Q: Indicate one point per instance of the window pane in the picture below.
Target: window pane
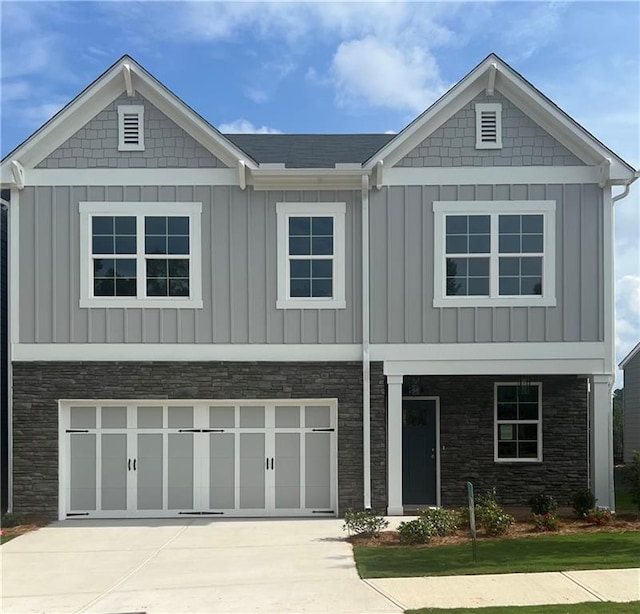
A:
(178, 287)
(300, 268)
(527, 394)
(322, 226)
(457, 244)
(322, 268)
(506, 432)
(532, 244)
(322, 246)
(178, 245)
(178, 225)
(531, 266)
(532, 224)
(507, 394)
(125, 268)
(479, 224)
(509, 244)
(528, 432)
(509, 286)
(507, 450)
(507, 411)
(478, 267)
(458, 266)
(456, 224)
(155, 245)
(156, 268)
(531, 286)
(104, 287)
(321, 288)
(457, 286)
(509, 266)
(155, 225)
(103, 245)
(509, 224)
(156, 287)
(478, 286)
(528, 449)
(178, 268)
(479, 244)
(300, 287)
(125, 245)
(125, 225)
(299, 226)
(528, 411)
(102, 225)
(103, 267)
(125, 287)
(300, 246)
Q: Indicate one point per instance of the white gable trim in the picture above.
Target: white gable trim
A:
(101, 93)
(630, 356)
(575, 138)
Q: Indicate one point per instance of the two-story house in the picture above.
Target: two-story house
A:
(298, 324)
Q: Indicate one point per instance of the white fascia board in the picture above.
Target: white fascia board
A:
(197, 352)
(490, 175)
(629, 357)
(482, 352)
(133, 176)
(282, 172)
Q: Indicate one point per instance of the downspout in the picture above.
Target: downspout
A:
(366, 383)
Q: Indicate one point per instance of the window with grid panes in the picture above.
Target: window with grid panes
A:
(518, 422)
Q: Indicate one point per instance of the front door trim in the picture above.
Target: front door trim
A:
(437, 403)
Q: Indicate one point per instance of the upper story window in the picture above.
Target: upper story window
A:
(518, 422)
(140, 255)
(131, 127)
(489, 125)
(494, 253)
(311, 255)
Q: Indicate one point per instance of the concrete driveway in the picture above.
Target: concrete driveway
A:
(195, 565)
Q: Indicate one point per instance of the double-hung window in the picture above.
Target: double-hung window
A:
(518, 422)
(311, 261)
(494, 253)
(140, 255)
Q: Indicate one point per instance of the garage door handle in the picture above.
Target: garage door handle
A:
(272, 462)
(134, 464)
(129, 465)
(267, 459)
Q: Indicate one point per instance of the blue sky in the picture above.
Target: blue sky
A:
(339, 67)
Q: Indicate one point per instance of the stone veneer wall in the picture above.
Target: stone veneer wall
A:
(37, 386)
(467, 436)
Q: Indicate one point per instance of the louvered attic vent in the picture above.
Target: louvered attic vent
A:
(489, 126)
(131, 128)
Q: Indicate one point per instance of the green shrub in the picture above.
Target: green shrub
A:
(416, 531)
(444, 522)
(598, 517)
(542, 504)
(490, 515)
(364, 523)
(12, 519)
(583, 501)
(546, 522)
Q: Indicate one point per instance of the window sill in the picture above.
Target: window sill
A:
(481, 301)
(133, 303)
(519, 461)
(310, 304)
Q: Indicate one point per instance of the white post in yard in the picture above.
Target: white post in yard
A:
(602, 442)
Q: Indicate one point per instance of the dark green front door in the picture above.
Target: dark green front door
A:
(419, 452)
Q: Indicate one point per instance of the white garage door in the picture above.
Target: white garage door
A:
(188, 458)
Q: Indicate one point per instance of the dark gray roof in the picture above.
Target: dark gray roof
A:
(310, 150)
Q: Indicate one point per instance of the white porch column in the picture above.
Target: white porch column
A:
(602, 441)
(394, 445)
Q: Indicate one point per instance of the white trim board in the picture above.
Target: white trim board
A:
(163, 352)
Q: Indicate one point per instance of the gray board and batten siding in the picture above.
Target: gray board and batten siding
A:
(239, 273)
(95, 145)
(402, 270)
(524, 143)
(631, 407)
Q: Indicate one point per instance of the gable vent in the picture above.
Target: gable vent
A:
(489, 126)
(131, 128)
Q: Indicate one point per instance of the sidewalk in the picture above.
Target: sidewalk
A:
(510, 589)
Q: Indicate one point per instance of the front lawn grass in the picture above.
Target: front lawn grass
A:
(590, 607)
(554, 553)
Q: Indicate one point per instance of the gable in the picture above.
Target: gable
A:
(524, 142)
(166, 145)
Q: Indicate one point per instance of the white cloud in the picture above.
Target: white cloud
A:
(37, 114)
(243, 126)
(372, 72)
(535, 29)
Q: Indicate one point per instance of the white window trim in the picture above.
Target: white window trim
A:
(191, 209)
(336, 210)
(138, 109)
(546, 208)
(538, 459)
(494, 107)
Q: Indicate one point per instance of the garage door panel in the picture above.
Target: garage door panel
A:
(317, 470)
(252, 470)
(287, 470)
(149, 472)
(114, 471)
(180, 470)
(83, 471)
(222, 453)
